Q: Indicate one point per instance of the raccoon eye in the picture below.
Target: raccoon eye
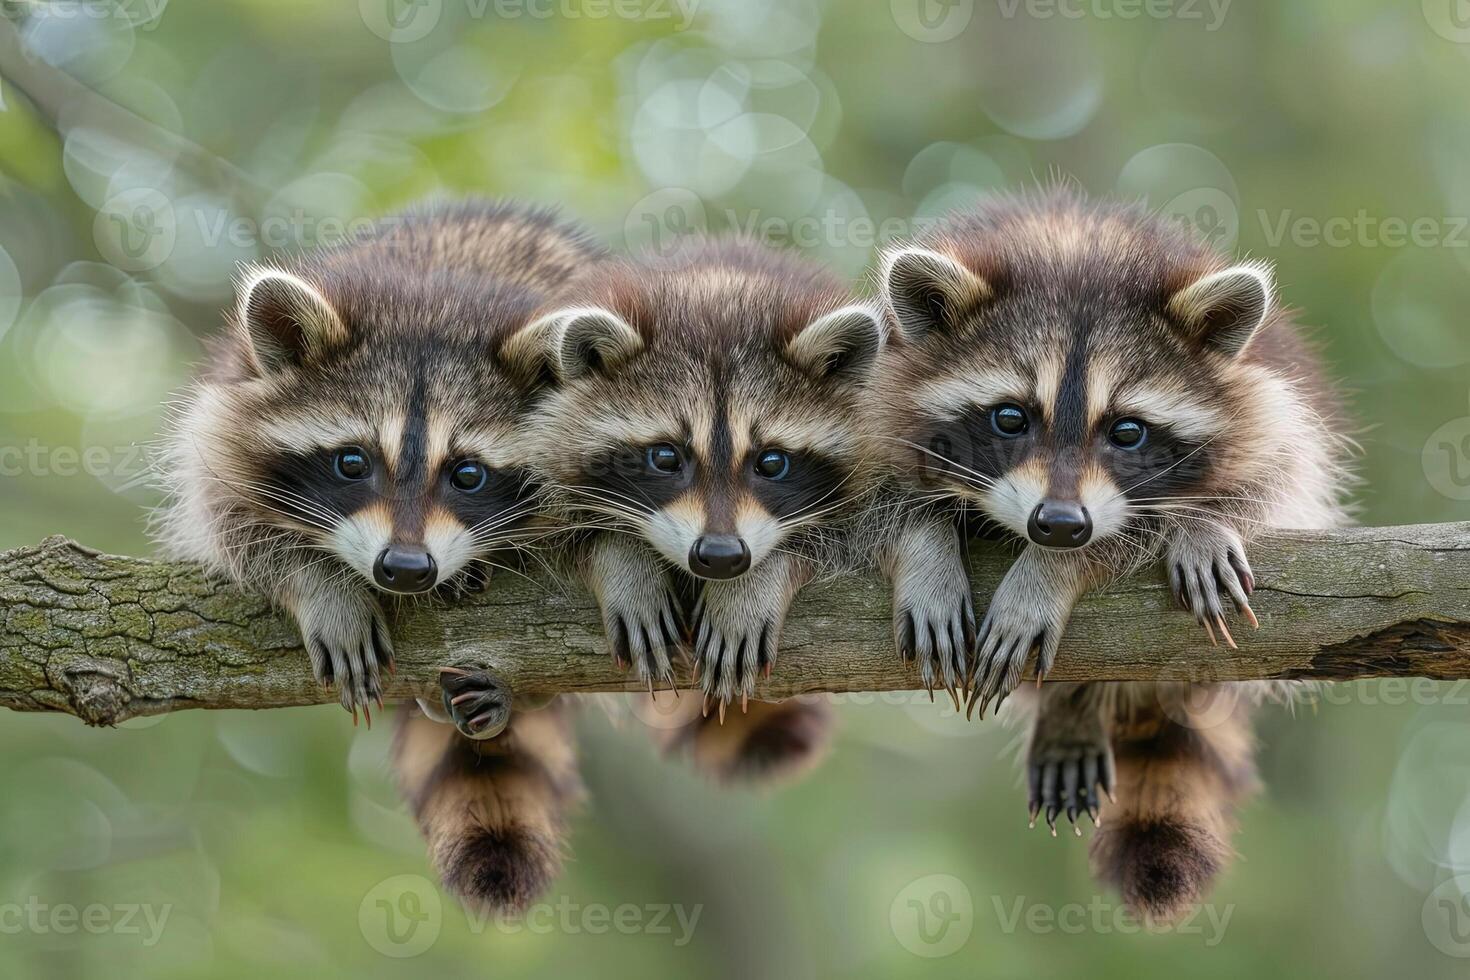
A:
(1128, 433)
(352, 464)
(469, 476)
(773, 464)
(1009, 421)
(664, 458)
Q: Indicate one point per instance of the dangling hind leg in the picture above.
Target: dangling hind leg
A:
(493, 811)
(768, 743)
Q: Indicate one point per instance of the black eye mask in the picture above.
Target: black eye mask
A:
(625, 477)
(498, 506)
(1165, 465)
(309, 488)
(812, 481)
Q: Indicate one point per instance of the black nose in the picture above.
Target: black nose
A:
(719, 556)
(1060, 524)
(405, 570)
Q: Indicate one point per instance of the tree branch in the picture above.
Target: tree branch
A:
(108, 638)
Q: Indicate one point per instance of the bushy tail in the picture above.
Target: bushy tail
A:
(493, 812)
(769, 742)
(1182, 767)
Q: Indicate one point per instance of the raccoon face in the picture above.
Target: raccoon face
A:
(389, 452)
(1068, 403)
(712, 444)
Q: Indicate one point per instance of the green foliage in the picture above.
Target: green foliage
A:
(1318, 135)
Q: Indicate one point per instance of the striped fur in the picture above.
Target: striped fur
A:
(716, 358)
(387, 348)
(494, 812)
(392, 345)
(1074, 319)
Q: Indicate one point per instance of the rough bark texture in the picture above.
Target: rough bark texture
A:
(106, 638)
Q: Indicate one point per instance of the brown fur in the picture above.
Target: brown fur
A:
(768, 743)
(1181, 774)
(493, 812)
(1086, 315)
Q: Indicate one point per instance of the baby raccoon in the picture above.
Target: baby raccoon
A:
(1098, 385)
(355, 438)
(705, 417)
(352, 436)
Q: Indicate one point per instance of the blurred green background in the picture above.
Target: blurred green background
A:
(1327, 136)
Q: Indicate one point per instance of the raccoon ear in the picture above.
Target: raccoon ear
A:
(1224, 310)
(842, 343)
(286, 320)
(575, 341)
(927, 291)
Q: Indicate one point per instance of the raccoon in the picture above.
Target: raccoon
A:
(356, 437)
(1090, 381)
(705, 419)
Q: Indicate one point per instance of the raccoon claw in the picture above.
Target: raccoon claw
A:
(940, 639)
(647, 639)
(730, 656)
(934, 623)
(1204, 568)
(348, 648)
(1066, 778)
(1004, 646)
(477, 701)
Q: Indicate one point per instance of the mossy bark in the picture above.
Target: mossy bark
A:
(107, 638)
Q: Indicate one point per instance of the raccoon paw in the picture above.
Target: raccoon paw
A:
(1065, 769)
(646, 634)
(1205, 565)
(936, 628)
(348, 642)
(1014, 625)
(734, 644)
(477, 702)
